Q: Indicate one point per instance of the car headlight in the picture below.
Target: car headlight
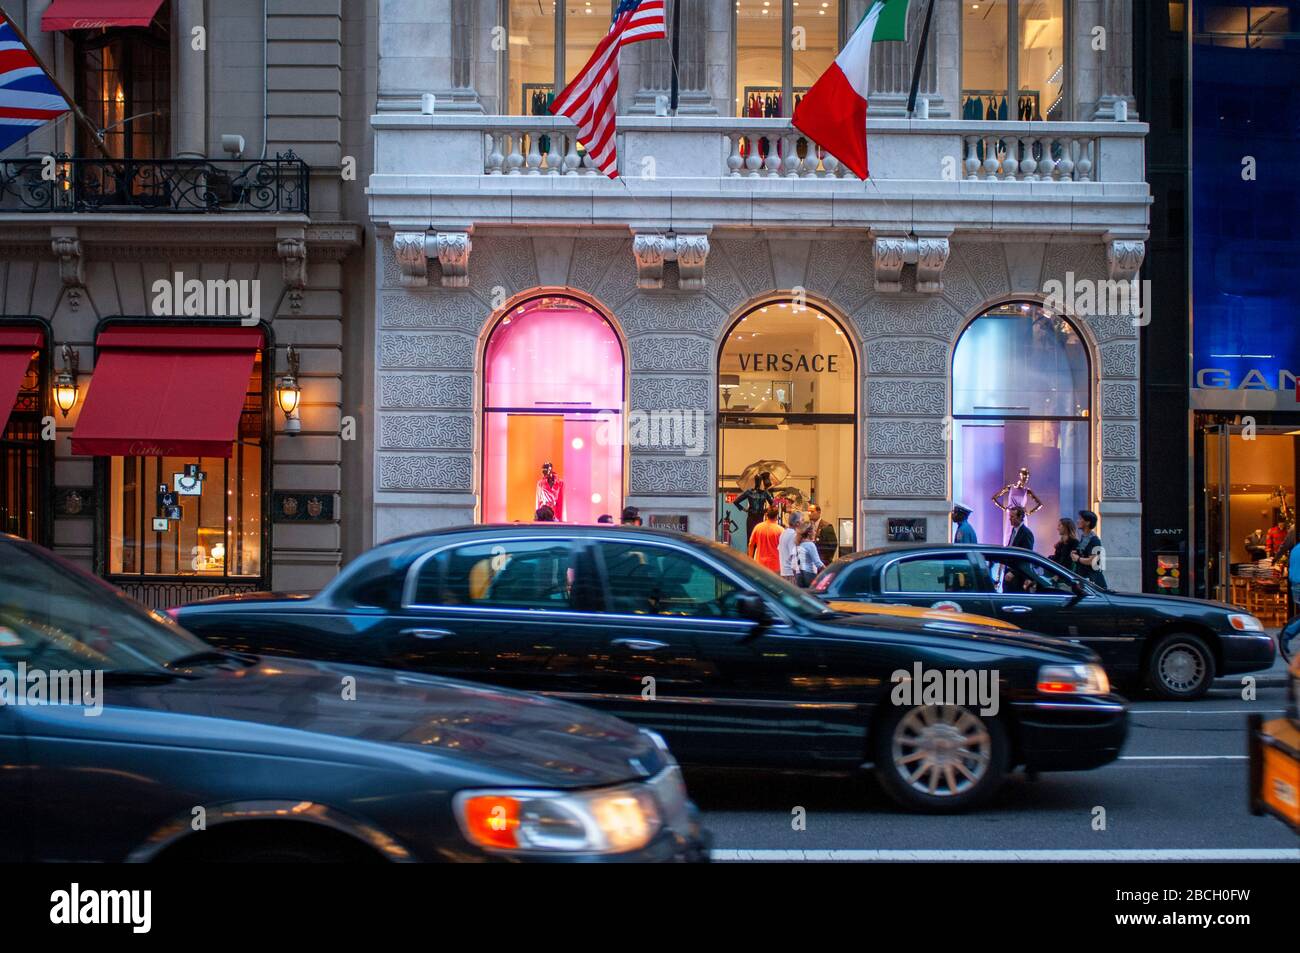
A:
(603, 821)
(1085, 679)
(1244, 622)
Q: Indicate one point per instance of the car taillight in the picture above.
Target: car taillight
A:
(174, 612)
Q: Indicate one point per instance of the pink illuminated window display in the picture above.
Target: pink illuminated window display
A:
(553, 392)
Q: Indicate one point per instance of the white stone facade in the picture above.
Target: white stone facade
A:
(471, 215)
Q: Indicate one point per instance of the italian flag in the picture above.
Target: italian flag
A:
(833, 113)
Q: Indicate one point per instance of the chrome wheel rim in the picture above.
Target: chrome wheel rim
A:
(941, 750)
(1181, 668)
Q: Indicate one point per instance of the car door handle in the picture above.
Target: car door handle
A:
(640, 645)
(428, 633)
(1016, 609)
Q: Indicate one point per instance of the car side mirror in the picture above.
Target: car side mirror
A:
(1078, 589)
(754, 609)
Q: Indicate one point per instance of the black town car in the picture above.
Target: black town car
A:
(185, 753)
(732, 665)
(1172, 645)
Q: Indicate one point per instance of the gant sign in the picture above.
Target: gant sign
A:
(1221, 388)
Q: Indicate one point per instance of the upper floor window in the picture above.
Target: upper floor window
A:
(549, 41)
(782, 48)
(1013, 63)
(123, 79)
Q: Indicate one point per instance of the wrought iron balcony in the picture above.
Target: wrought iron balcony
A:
(157, 186)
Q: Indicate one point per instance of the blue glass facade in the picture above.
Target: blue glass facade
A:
(1246, 205)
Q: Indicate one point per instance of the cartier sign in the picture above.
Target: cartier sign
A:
(789, 362)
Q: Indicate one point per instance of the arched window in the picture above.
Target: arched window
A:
(553, 393)
(1021, 397)
(787, 422)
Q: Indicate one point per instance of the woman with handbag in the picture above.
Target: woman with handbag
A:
(808, 560)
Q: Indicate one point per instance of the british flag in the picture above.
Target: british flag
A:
(590, 99)
(28, 97)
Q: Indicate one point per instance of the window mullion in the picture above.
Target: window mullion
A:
(560, 19)
(1013, 53)
(787, 58)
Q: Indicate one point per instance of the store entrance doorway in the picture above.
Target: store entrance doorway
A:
(787, 427)
(1248, 502)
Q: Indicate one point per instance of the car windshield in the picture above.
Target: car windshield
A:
(55, 616)
(796, 600)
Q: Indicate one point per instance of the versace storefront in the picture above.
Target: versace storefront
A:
(781, 357)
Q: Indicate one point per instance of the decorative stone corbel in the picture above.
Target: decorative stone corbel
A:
(412, 250)
(408, 250)
(452, 251)
(72, 266)
(1124, 257)
(652, 249)
(293, 258)
(931, 259)
(928, 252)
(890, 254)
(692, 253)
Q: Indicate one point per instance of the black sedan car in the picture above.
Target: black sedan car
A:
(123, 737)
(1172, 645)
(732, 665)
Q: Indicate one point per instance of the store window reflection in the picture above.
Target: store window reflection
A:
(771, 74)
(214, 522)
(787, 393)
(1013, 60)
(1021, 394)
(536, 59)
(553, 393)
(25, 468)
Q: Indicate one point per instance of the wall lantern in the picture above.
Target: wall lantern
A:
(288, 394)
(65, 382)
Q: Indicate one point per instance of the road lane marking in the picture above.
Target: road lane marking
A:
(1183, 757)
(887, 856)
(1205, 711)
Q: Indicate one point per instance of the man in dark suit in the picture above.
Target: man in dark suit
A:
(1021, 535)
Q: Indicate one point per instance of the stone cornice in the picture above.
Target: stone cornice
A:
(177, 238)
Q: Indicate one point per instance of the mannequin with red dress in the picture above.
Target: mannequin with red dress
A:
(550, 491)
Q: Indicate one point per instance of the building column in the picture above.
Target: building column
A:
(892, 63)
(192, 101)
(694, 97)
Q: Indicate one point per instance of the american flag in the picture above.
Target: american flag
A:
(589, 99)
(28, 97)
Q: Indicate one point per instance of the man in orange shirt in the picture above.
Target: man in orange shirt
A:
(764, 542)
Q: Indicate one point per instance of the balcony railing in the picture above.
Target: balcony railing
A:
(654, 148)
(157, 186)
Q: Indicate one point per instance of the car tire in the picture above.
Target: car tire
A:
(1180, 667)
(940, 759)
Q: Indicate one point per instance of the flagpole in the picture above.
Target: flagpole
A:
(920, 57)
(677, 33)
(95, 135)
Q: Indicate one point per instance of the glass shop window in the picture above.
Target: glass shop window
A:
(184, 516)
(548, 39)
(1017, 46)
(123, 82)
(772, 74)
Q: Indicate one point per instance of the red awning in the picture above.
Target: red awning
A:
(16, 346)
(95, 14)
(166, 391)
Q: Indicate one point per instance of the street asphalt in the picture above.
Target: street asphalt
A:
(1178, 792)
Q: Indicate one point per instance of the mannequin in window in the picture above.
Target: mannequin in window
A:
(1018, 494)
(550, 491)
(754, 501)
